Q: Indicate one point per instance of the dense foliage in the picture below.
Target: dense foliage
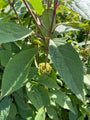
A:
(44, 59)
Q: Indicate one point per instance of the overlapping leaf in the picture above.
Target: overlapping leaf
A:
(41, 114)
(87, 80)
(47, 81)
(10, 32)
(68, 64)
(62, 99)
(82, 7)
(38, 96)
(4, 108)
(17, 71)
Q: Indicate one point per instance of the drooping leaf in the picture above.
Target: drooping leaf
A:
(41, 114)
(52, 113)
(47, 81)
(37, 5)
(67, 62)
(17, 70)
(82, 7)
(4, 108)
(38, 96)
(10, 32)
(62, 99)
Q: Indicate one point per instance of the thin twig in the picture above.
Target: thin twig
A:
(87, 33)
(48, 4)
(44, 2)
(29, 9)
(51, 27)
(12, 5)
(38, 35)
(13, 2)
(53, 18)
(47, 56)
(48, 18)
(42, 23)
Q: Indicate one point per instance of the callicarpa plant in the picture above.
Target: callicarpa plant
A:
(44, 59)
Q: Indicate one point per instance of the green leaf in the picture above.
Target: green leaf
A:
(16, 71)
(73, 116)
(41, 114)
(3, 3)
(5, 56)
(4, 108)
(52, 113)
(33, 71)
(62, 99)
(37, 5)
(67, 62)
(77, 25)
(47, 81)
(81, 118)
(87, 80)
(61, 28)
(10, 32)
(12, 112)
(86, 108)
(46, 19)
(60, 41)
(25, 110)
(82, 7)
(38, 96)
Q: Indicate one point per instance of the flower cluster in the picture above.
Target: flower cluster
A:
(44, 68)
(85, 52)
(37, 43)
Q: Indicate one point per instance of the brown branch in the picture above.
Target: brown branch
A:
(30, 11)
(12, 5)
(44, 2)
(53, 18)
(47, 56)
(38, 35)
(42, 23)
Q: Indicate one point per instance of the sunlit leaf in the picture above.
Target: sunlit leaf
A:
(82, 7)
(62, 99)
(37, 5)
(41, 114)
